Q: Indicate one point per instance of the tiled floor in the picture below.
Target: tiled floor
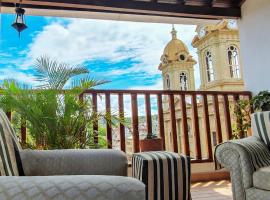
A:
(220, 190)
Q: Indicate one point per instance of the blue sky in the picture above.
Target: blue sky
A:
(125, 53)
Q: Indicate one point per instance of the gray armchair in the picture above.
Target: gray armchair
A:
(249, 161)
(63, 174)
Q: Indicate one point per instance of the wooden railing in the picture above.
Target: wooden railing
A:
(176, 108)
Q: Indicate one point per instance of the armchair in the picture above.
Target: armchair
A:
(248, 160)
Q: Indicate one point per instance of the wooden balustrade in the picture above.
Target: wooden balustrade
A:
(185, 120)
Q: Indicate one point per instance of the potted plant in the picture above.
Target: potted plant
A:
(151, 143)
(261, 102)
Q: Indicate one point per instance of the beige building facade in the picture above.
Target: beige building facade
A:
(220, 66)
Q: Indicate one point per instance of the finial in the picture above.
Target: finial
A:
(174, 32)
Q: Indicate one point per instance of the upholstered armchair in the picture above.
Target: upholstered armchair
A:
(249, 161)
(62, 174)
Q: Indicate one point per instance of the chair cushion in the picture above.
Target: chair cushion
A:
(261, 178)
(71, 188)
(8, 144)
(260, 124)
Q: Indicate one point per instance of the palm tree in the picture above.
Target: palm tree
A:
(56, 118)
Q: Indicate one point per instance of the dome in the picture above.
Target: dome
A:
(174, 48)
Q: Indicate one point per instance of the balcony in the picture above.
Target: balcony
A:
(189, 122)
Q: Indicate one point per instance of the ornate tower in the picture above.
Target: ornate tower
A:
(219, 56)
(177, 66)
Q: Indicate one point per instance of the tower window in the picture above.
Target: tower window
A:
(234, 64)
(168, 82)
(182, 57)
(209, 66)
(183, 81)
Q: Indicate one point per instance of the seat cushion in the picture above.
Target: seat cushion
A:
(8, 144)
(261, 178)
(257, 194)
(71, 188)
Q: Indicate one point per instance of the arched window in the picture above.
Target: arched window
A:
(234, 65)
(209, 66)
(183, 81)
(168, 82)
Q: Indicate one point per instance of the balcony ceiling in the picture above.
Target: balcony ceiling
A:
(196, 9)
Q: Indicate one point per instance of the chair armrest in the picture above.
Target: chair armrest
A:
(74, 162)
(236, 158)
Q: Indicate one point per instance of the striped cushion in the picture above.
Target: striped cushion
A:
(165, 174)
(8, 143)
(260, 123)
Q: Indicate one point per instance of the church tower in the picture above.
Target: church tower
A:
(218, 49)
(177, 66)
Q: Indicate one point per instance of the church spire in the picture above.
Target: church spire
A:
(174, 33)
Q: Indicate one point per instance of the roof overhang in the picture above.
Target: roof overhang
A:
(170, 11)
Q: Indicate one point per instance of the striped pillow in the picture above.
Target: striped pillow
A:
(8, 144)
(260, 123)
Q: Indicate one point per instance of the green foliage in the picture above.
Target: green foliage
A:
(242, 110)
(261, 102)
(56, 118)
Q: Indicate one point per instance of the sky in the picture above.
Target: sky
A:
(125, 53)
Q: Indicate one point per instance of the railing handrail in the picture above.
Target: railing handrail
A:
(167, 92)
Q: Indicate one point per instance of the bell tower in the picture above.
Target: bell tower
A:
(220, 62)
(177, 65)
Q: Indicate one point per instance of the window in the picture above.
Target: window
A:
(182, 57)
(168, 83)
(209, 66)
(183, 81)
(234, 64)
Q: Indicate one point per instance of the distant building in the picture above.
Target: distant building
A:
(220, 65)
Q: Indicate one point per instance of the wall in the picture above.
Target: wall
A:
(254, 30)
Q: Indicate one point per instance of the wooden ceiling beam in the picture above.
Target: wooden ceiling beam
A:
(151, 7)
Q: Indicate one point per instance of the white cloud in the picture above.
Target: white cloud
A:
(81, 40)
(21, 77)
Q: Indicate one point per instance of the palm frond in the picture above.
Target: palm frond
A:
(55, 75)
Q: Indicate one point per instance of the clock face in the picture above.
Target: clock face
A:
(232, 24)
(202, 32)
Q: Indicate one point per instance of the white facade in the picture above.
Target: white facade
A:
(254, 27)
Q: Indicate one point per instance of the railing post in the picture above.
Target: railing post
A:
(196, 128)
(83, 133)
(23, 130)
(227, 116)
(121, 126)
(185, 125)
(173, 122)
(108, 123)
(217, 118)
(207, 127)
(161, 120)
(135, 123)
(148, 113)
(95, 123)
